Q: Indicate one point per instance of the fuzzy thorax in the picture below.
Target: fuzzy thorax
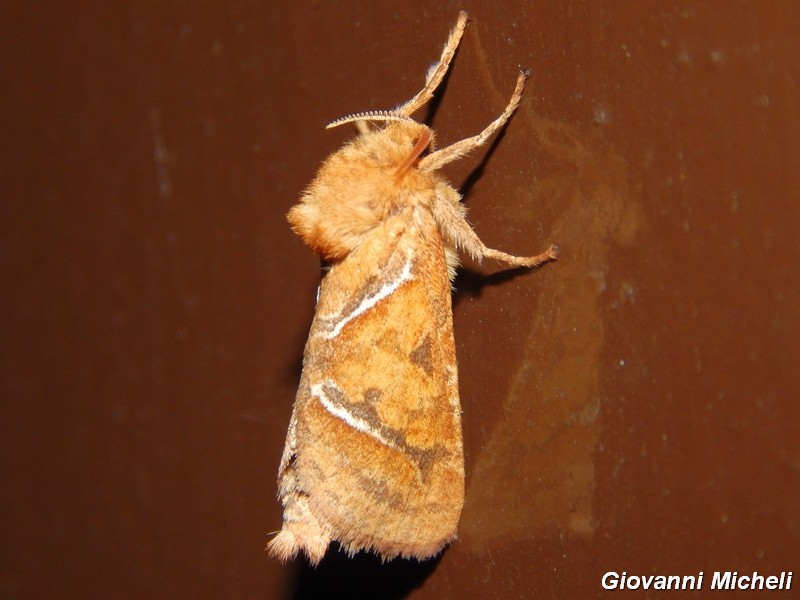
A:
(360, 186)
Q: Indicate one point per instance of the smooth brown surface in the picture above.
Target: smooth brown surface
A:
(630, 408)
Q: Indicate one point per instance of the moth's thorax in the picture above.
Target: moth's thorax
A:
(363, 184)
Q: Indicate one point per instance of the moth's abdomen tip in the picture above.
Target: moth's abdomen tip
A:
(283, 546)
(286, 545)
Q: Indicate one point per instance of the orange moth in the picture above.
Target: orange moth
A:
(373, 457)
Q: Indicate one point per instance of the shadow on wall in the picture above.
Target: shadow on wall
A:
(550, 419)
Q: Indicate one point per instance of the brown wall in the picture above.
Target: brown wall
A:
(633, 407)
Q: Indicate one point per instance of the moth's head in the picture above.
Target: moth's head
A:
(395, 146)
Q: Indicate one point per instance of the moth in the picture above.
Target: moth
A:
(373, 456)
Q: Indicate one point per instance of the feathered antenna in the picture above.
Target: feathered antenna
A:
(372, 115)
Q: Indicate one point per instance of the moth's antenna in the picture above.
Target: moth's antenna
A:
(372, 115)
